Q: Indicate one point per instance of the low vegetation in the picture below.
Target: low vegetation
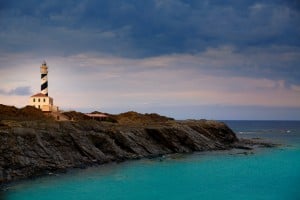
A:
(25, 113)
(132, 117)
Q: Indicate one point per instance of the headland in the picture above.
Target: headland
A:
(33, 143)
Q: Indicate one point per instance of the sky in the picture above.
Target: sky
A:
(210, 59)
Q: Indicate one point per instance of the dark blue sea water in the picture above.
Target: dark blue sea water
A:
(266, 174)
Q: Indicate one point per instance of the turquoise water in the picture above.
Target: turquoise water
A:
(266, 174)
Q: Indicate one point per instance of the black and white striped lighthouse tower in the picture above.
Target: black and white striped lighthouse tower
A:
(44, 79)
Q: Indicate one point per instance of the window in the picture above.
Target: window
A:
(33, 99)
(39, 106)
(44, 100)
(39, 100)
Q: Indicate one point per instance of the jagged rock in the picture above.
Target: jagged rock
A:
(40, 147)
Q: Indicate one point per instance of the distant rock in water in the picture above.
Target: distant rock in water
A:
(35, 147)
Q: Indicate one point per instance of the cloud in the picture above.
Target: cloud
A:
(165, 80)
(116, 84)
(145, 29)
(18, 91)
(153, 52)
(296, 88)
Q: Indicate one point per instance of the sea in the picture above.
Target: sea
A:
(259, 174)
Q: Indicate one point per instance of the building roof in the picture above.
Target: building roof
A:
(39, 95)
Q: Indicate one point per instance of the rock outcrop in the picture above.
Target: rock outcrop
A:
(31, 148)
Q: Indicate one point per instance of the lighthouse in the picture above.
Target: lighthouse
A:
(44, 79)
(41, 100)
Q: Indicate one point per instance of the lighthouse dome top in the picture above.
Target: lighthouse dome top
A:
(44, 68)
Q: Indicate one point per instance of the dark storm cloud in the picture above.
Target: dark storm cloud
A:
(264, 35)
(146, 28)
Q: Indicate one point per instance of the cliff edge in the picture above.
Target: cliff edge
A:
(34, 147)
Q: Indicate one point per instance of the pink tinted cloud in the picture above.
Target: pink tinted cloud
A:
(179, 79)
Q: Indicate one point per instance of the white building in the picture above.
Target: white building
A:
(42, 100)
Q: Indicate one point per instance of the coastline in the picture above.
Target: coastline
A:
(198, 173)
(38, 148)
(33, 144)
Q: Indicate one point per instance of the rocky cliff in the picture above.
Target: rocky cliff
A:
(31, 146)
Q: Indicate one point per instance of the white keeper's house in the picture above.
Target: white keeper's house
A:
(42, 100)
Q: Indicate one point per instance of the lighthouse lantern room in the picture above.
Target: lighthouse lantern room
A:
(42, 100)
